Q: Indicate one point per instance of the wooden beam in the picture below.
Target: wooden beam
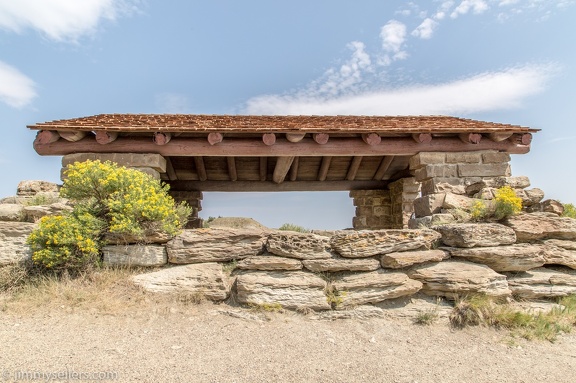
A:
(72, 136)
(497, 137)
(470, 138)
(353, 169)
(215, 138)
(281, 169)
(522, 139)
(371, 138)
(383, 168)
(295, 137)
(200, 168)
(263, 168)
(422, 138)
(232, 168)
(324, 167)
(267, 186)
(45, 137)
(321, 138)
(256, 148)
(269, 139)
(170, 170)
(162, 138)
(103, 137)
(294, 169)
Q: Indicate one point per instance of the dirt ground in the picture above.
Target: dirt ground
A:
(217, 343)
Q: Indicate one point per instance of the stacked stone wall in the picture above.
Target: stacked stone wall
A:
(373, 209)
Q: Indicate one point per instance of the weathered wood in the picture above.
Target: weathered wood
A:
(281, 169)
(170, 170)
(269, 139)
(72, 136)
(422, 138)
(371, 138)
(200, 168)
(104, 137)
(162, 138)
(383, 168)
(321, 138)
(295, 137)
(255, 148)
(232, 168)
(470, 138)
(263, 168)
(45, 137)
(497, 137)
(353, 169)
(522, 139)
(215, 138)
(324, 167)
(294, 169)
(267, 186)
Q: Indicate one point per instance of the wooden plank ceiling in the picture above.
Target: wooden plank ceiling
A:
(278, 153)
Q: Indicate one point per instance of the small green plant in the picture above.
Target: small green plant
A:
(334, 297)
(569, 210)
(41, 199)
(292, 227)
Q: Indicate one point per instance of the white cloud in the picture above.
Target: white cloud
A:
(172, 103)
(393, 36)
(476, 6)
(61, 20)
(505, 89)
(426, 29)
(16, 89)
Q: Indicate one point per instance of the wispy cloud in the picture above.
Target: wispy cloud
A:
(425, 29)
(393, 36)
(61, 20)
(499, 90)
(172, 103)
(16, 89)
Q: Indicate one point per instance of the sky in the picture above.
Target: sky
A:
(508, 61)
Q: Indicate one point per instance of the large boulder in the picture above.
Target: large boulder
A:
(476, 234)
(290, 289)
(373, 287)
(135, 255)
(206, 280)
(292, 244)
(215, 245)
(531, 227)
(362, 244)
(459, 278)
(341, 264)
(269, 262)
(13, 247)
(409, 258)
(518, 257)
(543, 283)
(11, 212)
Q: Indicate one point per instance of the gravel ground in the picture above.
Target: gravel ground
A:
(213, 343)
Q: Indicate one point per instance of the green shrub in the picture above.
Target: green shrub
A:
(292, 227)
(569, 210)
(504, 204)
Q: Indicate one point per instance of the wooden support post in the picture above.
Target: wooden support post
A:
(162, 138)
(45, 137)
(422, 138)
(170, 170)
(497, 137)
(263, 168)
(282, 167)
(353, 169)
(200, 169)
(383, 168)
(269, 138)
(323, 172)
(321, 138)
(72, 136)
(371, 138)
(295, 137)
(294, 169)
(232, 168)
(470, 138)
(215, 138)
(103, 137)
(524, 139)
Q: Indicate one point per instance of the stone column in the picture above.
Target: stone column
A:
(373, 209)
(193, 199)
(149, 163)
(402, 194)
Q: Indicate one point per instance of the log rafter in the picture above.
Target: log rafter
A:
(281, 169)
(353, 169)
(324, 167)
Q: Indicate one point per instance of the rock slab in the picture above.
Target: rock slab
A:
(298, 245)
(531, 227)
(341, 264)
(409, 258)
(13, 247)
(520, 257)
(476, 234)
(543, 283)
(269, 262)
(135, 255)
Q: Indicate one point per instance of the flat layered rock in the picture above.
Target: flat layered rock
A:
(458, 278)
(298, 245)
(135, 255)
(555, 255)
(11, 212)
(33, 187)
(476, 234)
(409, 258)
(207, 280)
(13, 247)
(341, 264)
(146, 237)
(519, 257)
(269, 262)
(362, 244)
(538, 226)
(34, 213)
(291, 289)
(372, 287)
(568, 245)
(543, 283)
(214, 245)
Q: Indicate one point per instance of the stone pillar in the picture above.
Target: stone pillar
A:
(402, 194)
(193, 199)
(373, 209)
(149, 163)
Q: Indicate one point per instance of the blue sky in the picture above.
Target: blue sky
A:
(510, 61)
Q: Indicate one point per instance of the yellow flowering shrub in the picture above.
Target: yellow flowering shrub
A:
(504, 204)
